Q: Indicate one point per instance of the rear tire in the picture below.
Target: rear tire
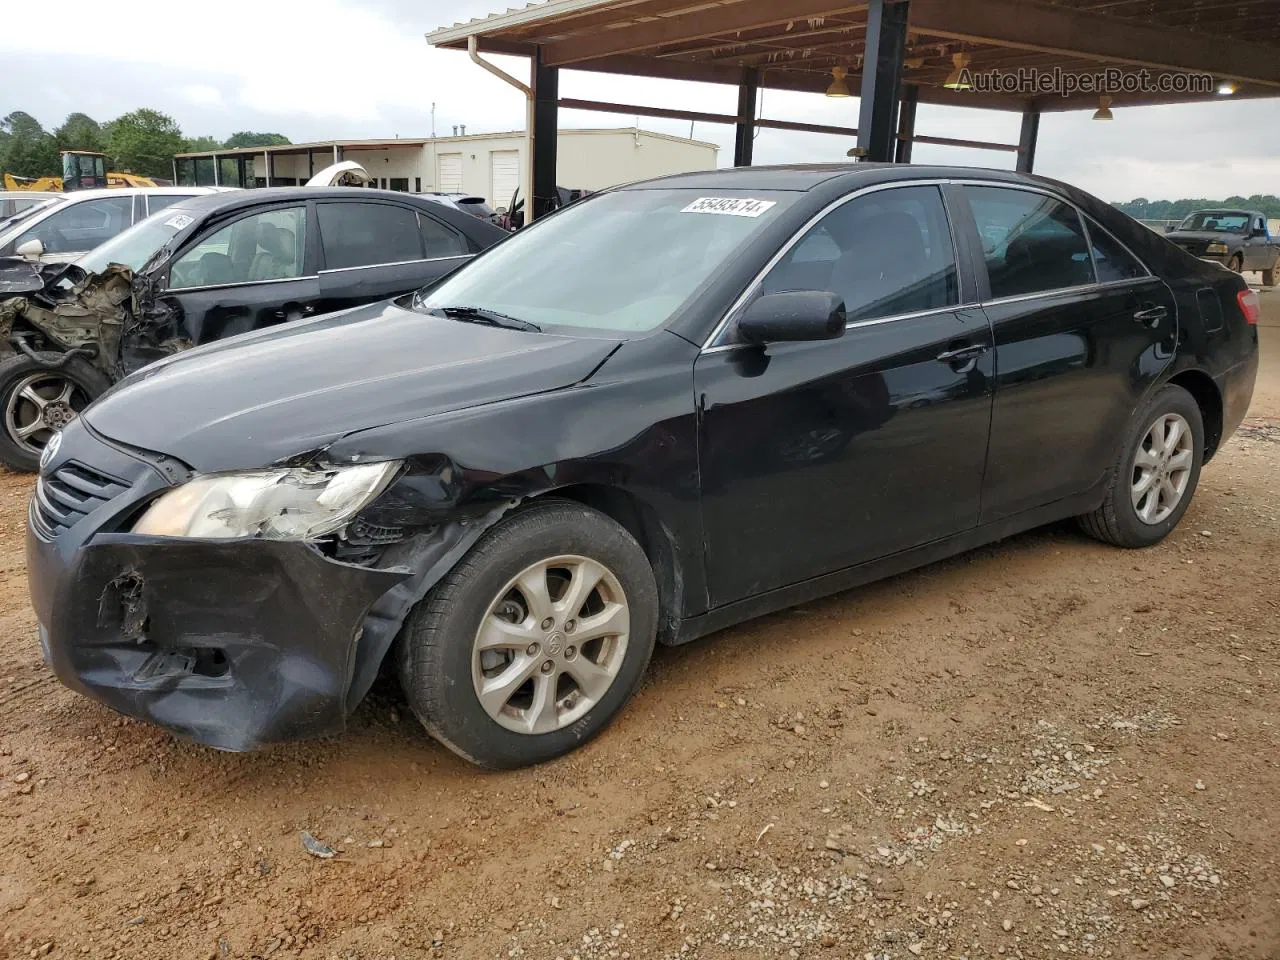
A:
(1269, 276)
(36, 401)
(1156, 474)
(506, 679)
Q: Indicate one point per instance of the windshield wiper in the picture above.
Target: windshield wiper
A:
(488, 317)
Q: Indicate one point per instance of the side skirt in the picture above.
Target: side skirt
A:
(734, 613)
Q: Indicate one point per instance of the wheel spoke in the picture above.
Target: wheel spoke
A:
(584, 578)
(1148, 505)
(68, 388)
(1174, 436)
(499, 634)
(1146, 459)
(541, 717)
(1144, 484)
(1169, 493)
(613, 620)
(592, 679)
(1180, 461)
(537, 597)
(496, 691)
(29, 394)
(29, 429)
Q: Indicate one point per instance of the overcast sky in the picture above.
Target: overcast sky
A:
(337, 69)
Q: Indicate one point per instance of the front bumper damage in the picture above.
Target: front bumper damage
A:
(233, 643)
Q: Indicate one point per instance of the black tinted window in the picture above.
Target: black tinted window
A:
(439, 240)
(1113, 261)
(1031, 243)
(360, 234)
(158, 201)
(885, 253)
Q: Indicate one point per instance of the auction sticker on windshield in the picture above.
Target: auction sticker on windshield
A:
(178, 221)
(730, 206)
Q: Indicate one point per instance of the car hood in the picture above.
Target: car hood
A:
(1203, 235)
(271, 395)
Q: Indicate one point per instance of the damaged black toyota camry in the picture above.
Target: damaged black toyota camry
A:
(658, 412)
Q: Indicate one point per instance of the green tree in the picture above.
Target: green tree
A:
(246, 138)
(26, 149)
(200, 144)
(79, 132)
(143, 141)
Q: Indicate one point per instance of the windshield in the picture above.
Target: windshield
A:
(139, 243)
(624, 261)
(1216, 221)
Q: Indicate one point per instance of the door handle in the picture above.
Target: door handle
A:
(1151, 316)
(960, 354)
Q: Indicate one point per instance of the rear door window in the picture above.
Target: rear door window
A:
(265, 246)
(438, 240)
(1113, 262)
(158, 201)
(1031, 242)
(358, 234)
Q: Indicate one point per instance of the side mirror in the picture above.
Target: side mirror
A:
(31, 250)
(799, 315)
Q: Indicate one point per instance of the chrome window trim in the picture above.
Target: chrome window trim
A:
(709, 344)
(398, 263)
(240, 283)
(1085, 221)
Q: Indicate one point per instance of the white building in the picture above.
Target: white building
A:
(488, 165)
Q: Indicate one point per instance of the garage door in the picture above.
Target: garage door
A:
(504, 176)
(450, 173)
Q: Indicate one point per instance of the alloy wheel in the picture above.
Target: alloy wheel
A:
(39, 406)
(551, 644)
(1162, 468)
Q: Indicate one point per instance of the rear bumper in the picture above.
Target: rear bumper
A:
(1236, 388)
(234, 644)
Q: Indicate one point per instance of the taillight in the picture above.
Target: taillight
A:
(1250, 306)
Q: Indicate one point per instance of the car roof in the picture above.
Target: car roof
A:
(23, 194)
(79, 196)
(809, 176)
(260, 195)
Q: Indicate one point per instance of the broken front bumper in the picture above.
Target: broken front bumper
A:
(232, 643)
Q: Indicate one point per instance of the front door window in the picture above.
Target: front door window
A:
(265, 246)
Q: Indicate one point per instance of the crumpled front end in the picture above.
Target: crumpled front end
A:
(234, 643)
(95, 315)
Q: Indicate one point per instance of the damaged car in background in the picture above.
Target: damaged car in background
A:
(203, 269)
(658, 412)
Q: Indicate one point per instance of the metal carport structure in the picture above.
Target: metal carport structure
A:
(895, 54)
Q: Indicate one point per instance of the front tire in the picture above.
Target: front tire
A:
(1269, 276)
(531, 645)
(1156, 475)
(1236, 263)
(37, 401)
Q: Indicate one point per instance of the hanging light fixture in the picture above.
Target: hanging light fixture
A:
(839, 88)
(1104, 109)
(956, 79)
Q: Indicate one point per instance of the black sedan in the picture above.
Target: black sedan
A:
(659, 412)
(206, 268)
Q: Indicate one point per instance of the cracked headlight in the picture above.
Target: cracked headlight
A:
(284, 504)
(1216, 247)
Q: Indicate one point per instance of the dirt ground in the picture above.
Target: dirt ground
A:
(1046, 747)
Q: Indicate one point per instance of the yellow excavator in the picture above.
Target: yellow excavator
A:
(81, 170)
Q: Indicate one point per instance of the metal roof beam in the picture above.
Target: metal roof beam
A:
(1071, 33)
(710, 21)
